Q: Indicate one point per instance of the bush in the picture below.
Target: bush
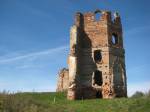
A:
(138, 94)
(22, 102)
(147, 94)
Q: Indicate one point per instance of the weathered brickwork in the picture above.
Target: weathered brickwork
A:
(63, 80)
(96, 60)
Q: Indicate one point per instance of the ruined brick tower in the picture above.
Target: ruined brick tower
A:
(96, 60)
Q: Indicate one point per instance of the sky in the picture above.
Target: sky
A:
(34, 41)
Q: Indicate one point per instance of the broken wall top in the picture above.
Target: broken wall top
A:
(95, 32)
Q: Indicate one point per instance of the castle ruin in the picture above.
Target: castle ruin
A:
(96, 62)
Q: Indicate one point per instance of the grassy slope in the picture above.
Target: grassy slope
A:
(44, 102)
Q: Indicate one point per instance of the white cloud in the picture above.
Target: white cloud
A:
(32, 55)
(141, 86)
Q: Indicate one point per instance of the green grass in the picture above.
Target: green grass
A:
(57, 102)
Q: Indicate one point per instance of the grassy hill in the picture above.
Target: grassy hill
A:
(56, 102)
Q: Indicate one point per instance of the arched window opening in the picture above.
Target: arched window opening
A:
(97, 56)
(114, 39)
(97, 16)
(98, 78)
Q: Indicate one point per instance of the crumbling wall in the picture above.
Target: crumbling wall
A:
(63, 80)
(96, 60)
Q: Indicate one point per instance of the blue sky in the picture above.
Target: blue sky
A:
(34, 41)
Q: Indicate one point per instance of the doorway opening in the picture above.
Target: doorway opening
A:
(98, 94)
(98, 78)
